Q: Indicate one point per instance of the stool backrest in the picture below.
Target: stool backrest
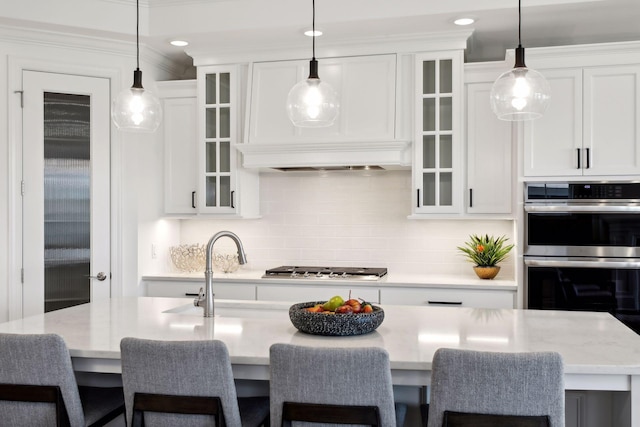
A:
(525, 384)
(38, 359)
(186, 368)
(335, 376)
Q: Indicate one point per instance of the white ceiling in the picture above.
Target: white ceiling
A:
(227, 24)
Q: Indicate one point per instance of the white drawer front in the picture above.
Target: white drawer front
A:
(448, 297)
(314, 293)
(190, 290)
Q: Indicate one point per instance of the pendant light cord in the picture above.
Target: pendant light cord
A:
(313, 64)
(519, 24)
(313, 29)
(520, 50)
(138, 34)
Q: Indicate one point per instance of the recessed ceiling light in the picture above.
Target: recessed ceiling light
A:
(179, 43)
(310, 33)
(464, 21)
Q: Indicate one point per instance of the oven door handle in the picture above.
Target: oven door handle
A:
(560, 208)
(630, 263)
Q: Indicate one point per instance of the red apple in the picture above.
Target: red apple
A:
(355, 304)
(343, 309)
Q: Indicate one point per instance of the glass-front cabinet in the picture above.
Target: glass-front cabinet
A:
(219, 130)
(437, 165)
(224, 186)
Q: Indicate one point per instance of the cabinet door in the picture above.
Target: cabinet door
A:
(180, 140)
(190, 290)
(553, 143)
(440, 297)
(365, 86)
(611, 118)
(218, 128)
(437, 164)
(489, 155)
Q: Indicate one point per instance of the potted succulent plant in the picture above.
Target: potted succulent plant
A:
(486, 252)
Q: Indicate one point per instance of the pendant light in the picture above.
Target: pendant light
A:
(312, 102)
(521, 93)
(137, 109)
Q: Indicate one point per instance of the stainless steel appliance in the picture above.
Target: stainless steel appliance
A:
(326, 273)
(582, 248)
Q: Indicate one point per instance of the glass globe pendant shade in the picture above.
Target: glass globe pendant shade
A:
(136, 109)
(312, 102)
(521, 93)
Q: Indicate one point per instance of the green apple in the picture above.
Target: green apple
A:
(333, 303)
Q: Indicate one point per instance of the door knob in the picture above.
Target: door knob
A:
(100, 276)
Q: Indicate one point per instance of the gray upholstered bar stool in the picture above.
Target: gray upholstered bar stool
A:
(332, 385)
(499, 389)
(185, 383)
(38, 386)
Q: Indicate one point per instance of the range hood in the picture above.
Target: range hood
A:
(371, 129)
(327, 155)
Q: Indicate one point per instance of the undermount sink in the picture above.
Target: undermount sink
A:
(246, 309)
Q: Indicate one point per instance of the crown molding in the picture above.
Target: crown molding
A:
(406, 43)
(84, 43)
(581, 55)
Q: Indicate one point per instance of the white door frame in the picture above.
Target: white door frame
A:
(16, 65)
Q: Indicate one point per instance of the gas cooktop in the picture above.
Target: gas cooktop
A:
(323, 273)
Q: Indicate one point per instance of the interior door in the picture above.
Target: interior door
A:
(66, 191)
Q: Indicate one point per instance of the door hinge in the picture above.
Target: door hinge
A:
(22, 276)
(22, 188)
(21, 97)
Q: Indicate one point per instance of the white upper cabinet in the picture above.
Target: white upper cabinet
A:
(590, 127)
(179, 133)
(489, 155)
(611, 117)
(199, 130)
(437, 163)
(223, 186)
(366, 87)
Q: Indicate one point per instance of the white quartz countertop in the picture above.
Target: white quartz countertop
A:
(391, 280)
(590, 343)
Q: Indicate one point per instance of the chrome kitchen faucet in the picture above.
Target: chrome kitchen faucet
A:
(205, 299)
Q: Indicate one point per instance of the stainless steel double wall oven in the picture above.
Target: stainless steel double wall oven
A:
(582, 248)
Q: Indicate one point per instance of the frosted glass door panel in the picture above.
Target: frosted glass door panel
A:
(66, 199)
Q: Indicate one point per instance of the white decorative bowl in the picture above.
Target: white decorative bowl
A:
(188, 258)
(225, 263)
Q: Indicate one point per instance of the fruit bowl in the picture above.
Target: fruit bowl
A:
(334, 324)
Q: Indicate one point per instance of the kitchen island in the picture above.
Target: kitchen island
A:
(600, 353)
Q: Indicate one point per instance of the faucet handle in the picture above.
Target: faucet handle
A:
(199, 298)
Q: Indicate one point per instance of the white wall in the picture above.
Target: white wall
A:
(344, 219)
(68, 53)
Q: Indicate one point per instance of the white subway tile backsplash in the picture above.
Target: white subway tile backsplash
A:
(346, 218)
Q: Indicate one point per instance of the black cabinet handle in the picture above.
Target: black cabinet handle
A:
(588, 158)
(417, 198)
(193, 199)
(445, 302)
(578, 158)
(232, 197)
(471, 197)
(189, 294)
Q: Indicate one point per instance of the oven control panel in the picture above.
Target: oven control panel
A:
(604, 191)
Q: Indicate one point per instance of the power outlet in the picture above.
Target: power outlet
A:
(154, 251)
